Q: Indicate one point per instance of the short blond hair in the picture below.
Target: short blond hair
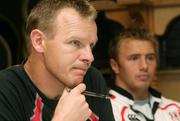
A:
(43, 15)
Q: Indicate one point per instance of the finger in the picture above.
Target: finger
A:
(79, 88)
(65, 92)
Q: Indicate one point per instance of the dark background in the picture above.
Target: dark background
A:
(13, 14)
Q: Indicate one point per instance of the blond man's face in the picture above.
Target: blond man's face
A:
(69, 54)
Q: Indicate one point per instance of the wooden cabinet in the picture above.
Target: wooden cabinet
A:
(156, 13)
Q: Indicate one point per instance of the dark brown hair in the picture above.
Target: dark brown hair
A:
(136, 31)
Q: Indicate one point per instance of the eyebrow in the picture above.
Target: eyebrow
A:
(138, 54)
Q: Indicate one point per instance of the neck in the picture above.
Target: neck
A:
(137, 93)
(140, 95)
(42, 78)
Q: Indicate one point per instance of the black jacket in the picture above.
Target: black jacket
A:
(19, 97)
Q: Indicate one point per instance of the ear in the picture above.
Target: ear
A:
(114, 66)
(37, 39)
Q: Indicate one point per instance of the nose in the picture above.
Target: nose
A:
(143, 64)
(87, 56)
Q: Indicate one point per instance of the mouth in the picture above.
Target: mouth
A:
(80, 70)
(143, 77)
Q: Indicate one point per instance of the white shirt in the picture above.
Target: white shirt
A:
(156, 108)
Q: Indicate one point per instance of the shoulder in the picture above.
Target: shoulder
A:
(10, 74)
(94, 80)
(169, 103)
(168, 100)
(96, 83)
(12, 70)
(14, 94)
(7, 74)
(93, 73)
(12, 80)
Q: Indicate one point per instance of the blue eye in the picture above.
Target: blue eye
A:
(76, 43)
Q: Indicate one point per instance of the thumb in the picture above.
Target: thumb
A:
(65, 92)
(78, 89)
